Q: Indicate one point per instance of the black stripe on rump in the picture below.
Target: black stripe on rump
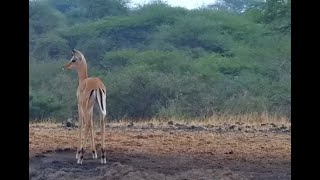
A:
(91, 94)
(101, 98)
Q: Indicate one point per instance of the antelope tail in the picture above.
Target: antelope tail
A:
(101, 98)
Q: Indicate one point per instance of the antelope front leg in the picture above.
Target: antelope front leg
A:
(88, 125)
(80, 133)
(104, 154)
(81, 155)
(80, 151)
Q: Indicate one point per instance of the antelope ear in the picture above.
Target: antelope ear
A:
(74, 51)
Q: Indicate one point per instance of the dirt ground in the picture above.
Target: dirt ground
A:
(171, 152)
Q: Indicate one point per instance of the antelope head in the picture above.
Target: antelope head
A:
(76, 62)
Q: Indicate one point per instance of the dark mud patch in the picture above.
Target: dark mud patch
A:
(62, 164)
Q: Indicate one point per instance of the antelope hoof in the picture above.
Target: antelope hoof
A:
(79, 156)
(103, 160)
(94, 155)
(104, 156)
(80, 160)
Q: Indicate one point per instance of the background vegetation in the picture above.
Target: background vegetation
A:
(231, 57)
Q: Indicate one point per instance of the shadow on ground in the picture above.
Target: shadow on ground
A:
(61, 164)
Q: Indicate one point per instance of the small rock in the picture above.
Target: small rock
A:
(229, 152)
(140, 137)
(181, 126)
(248, 131)
(232, 127)
(209, 126)
(40, 155)
(273, 129)
(170, 123)
(68, 124)
(196, 128)
(273, 125)
(131, 124)
(283, 127)
(150, 125)
(263, 124)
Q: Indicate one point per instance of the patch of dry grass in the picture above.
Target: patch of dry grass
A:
(48, 135)
(246, 119)
(250, 118)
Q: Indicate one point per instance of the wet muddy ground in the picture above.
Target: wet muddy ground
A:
(164, 153)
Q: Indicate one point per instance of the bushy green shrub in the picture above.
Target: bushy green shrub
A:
(162, 61)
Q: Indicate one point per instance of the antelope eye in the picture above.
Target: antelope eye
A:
(73, 60)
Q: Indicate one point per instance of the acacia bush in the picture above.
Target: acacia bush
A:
(162, 61)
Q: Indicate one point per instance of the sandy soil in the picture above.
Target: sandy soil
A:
(174, 151)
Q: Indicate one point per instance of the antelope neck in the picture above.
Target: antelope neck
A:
(82, 72)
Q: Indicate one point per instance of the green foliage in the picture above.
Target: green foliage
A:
(43, 18)
(237, 6)
(137, 95)
(95, 9)
(162, 61)
(276, 14)
(51, 91)
(50, 47)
